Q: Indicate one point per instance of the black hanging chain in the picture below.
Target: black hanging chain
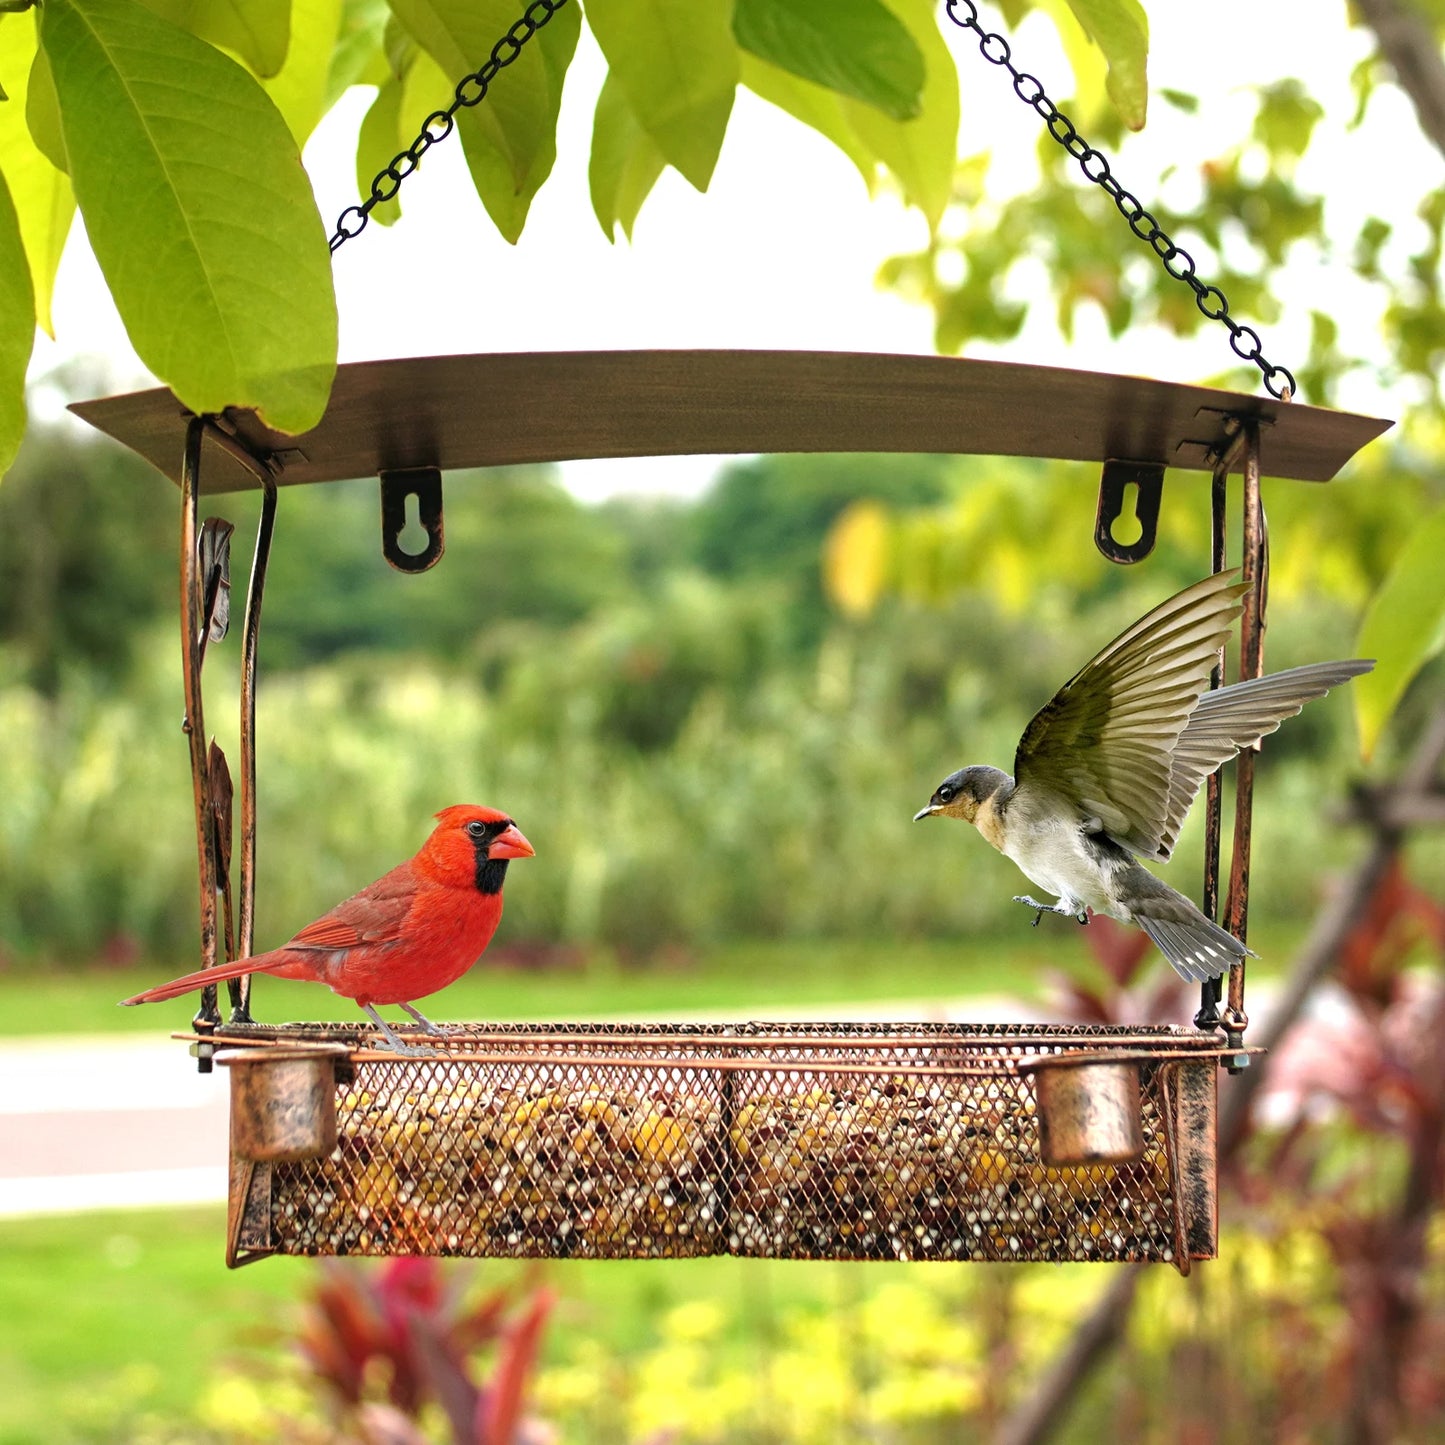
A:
(1244, 340)
(470, 90)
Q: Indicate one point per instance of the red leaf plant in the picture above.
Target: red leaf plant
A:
(1352, 1121)
(404, 1331)
(1133, 987)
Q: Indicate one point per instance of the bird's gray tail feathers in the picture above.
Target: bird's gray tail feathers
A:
(1197, 948)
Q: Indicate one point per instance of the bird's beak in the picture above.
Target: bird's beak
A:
(510, 843)
(927, 812)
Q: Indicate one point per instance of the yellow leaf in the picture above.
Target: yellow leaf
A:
(856, 557)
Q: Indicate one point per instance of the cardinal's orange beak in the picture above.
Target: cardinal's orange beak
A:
(510, 843)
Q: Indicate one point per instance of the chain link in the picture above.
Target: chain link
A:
(470, 90)
(1177, 262)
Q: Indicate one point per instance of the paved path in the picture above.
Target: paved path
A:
(108, 1121)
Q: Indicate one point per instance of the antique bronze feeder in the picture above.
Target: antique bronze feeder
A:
(863, 1141)
(811, 1141)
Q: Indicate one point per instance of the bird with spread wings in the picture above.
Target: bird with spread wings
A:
(1107, 770)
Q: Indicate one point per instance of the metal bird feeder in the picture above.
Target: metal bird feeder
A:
(800, 1141)
(791, 1141)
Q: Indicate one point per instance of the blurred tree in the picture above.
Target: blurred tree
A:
(519, 548)
(1242, 214)
(653, 532)
(768, 517)
(81, 526)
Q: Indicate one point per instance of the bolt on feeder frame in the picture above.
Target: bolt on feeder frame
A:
(799, 1141)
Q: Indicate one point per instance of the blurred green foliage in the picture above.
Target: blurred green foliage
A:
(699, 749)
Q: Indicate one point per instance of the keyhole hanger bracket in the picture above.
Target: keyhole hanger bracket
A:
(1148, 480)
(425, 484)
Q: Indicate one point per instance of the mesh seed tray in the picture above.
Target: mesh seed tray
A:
(788, 1141)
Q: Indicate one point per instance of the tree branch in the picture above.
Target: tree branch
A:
(1409, 45)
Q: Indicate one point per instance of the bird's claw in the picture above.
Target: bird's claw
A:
(1039, 908)
(394, 1041)
(427, 1026)
(1082, 916)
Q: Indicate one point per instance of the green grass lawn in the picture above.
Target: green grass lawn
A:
(116, 1326)
(733, 977)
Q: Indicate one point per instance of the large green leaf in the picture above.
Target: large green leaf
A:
(42, 113)
(259, 31)
(41, 194)
(300, 89)
(858, 48)
(1120, 29)
(1403, 628)
(198, 211)
(378, 143)
(824, 110)
(510, 138)
(676, 62)
(921, 152)
(17, 329)
(625, 162)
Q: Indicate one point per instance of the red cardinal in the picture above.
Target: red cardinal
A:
(409, 934)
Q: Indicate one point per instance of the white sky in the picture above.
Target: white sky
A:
(783, 249)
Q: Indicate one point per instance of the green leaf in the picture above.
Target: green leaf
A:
(397, 46)
(1286, 119)
(198, 211)
(378, 143)
(625, 162)
(858, 48)
(42, 113)
(510, 138)
(921, 152)
(1120, 29)
(17, 335)
(359, 57)
(258, 31)
(41, 194)
(1403, 628)
(823, 110)
(299, 88)
(676, 62)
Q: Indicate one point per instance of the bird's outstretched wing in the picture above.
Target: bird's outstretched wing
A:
(1236, 717)
(1106, 740)
(375, 915)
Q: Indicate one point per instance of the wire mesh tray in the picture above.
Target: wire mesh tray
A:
(794, 1141)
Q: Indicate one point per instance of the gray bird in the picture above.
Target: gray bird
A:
(1107, 770)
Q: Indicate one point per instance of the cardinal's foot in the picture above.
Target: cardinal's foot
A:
(394, 1041)
(427, 1025)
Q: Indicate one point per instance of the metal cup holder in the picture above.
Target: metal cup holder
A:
(283, 1101)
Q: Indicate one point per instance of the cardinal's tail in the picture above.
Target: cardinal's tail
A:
(200, 978)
